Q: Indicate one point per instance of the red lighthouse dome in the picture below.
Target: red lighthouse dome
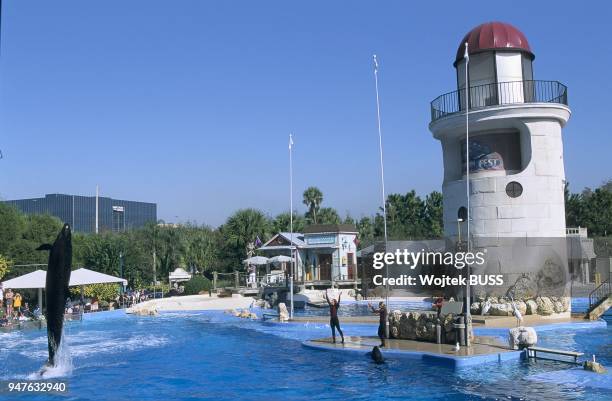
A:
(494, 36)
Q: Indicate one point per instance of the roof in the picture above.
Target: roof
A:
(35, 279)
(298, 240)
(493, 36)
(82, 276)
(179, 273)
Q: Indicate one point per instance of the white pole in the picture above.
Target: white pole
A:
(467, 190)
(291, 224)
(154, 269)
(382, 180)
(97, 195)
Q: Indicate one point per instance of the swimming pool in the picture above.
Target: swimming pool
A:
(211, 355)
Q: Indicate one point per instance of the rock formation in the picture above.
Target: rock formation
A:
(522, 337)
(421, 326)
(283, 313)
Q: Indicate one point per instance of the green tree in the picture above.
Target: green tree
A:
(365, 227)
(103, 292)
(328, 215)
(170, 249)
(433, 215)
(241, 228)
(200, 248)
(12, 225)
(348, 219)
(597, 212)
(281, 223)
(99, 252)
(196, 285)
(591, 209)
(5, 265)
(312, 198)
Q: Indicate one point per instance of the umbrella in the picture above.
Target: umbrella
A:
(256, 260)
(281, 259)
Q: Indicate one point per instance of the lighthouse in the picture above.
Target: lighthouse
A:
(516, 169)
(505, 126)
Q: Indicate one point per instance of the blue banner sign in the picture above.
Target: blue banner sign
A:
(321, 239)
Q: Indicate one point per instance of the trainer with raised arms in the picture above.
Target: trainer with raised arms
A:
(334, 322)
(382, 324)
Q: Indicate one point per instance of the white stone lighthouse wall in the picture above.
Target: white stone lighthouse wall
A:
(538, 212)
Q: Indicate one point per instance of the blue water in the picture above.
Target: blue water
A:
(211, 355)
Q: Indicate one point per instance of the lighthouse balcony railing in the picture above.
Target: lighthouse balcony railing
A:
(499, 94)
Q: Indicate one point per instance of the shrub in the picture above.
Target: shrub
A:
(103, 292)
(5, 265)
(196, 285)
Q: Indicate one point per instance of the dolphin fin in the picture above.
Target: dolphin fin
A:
(44, 247)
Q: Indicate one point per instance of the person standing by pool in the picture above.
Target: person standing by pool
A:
(17, 302)
(382, 323)
(9, 302)
(334, 322)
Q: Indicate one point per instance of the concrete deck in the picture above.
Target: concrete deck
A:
(343, 319)
(193, 303)
(484, 349)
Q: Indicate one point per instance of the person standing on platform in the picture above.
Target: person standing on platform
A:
(334, 322)
(382, 323)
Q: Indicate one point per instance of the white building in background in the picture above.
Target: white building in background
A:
(326, 255)
(516, 148)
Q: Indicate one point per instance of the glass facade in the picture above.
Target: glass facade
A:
(80, 211)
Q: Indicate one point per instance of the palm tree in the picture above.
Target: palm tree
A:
(329, 215)
(240, 229)
(313, 197)
(281, 223)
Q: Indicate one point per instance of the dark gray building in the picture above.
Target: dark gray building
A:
(80, 211)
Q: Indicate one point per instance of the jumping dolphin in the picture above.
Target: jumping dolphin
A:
(56, 287)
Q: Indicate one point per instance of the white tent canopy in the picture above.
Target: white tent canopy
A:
(84, 276)
(36, 279)
(179, 275)
(256, 260)
(281, 259)
(81, 276)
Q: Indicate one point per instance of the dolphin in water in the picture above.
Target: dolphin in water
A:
(376, 355)
(56, 287)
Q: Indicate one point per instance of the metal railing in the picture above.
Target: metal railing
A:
(498, 94)
(598, 294)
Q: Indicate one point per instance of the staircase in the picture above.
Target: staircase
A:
(600, 300)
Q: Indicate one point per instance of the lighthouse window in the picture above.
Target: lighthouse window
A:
(514, 189)
(462, 214)
(494, 151)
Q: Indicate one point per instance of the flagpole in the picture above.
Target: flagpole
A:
(382, 180)
(467, 190)
(291, 224)
(97, 196)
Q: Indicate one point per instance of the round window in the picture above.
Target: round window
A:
(514, 189)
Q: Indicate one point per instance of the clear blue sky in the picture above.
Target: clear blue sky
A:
(189, 103)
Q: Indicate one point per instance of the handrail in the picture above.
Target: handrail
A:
(601, 292)
(498, 94)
